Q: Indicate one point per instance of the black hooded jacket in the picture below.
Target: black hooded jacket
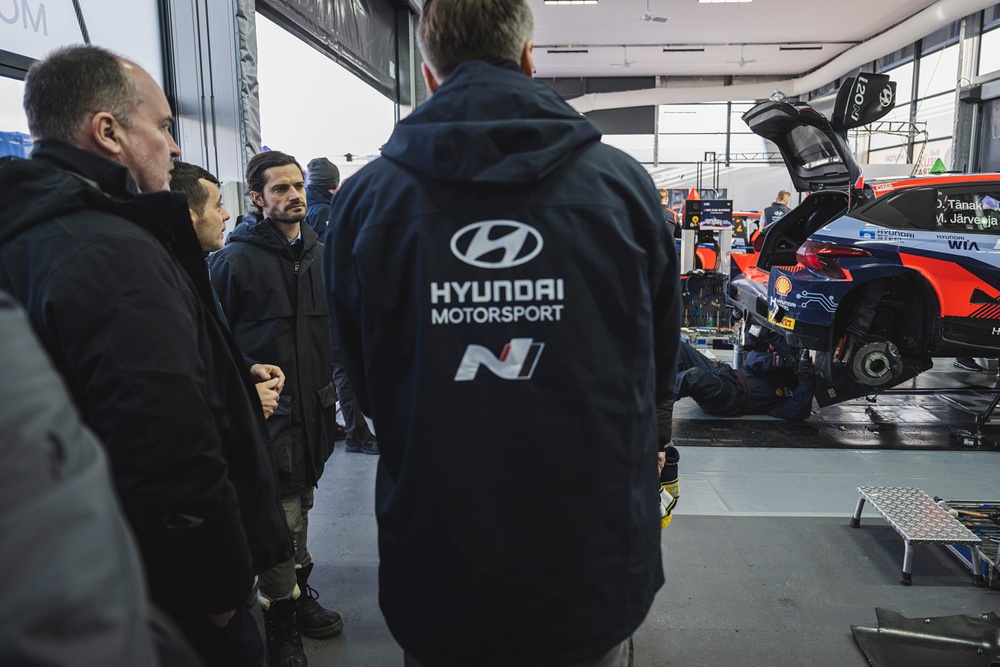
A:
(317, 208)
(505, 294)
(116, 290)
(274, 300)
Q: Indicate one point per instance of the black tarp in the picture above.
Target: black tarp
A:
(359, 34)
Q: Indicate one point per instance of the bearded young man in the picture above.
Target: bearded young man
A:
(269, 279)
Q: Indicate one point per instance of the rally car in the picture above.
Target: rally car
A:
(877, 279)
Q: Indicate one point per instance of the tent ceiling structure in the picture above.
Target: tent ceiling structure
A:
(793, 43)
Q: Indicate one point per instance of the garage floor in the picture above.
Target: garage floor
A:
(762, 567)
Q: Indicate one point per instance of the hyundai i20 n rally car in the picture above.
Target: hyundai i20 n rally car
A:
(877, 279)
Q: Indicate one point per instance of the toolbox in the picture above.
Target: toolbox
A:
(982, 517)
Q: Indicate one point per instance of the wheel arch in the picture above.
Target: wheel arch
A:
(909, 311)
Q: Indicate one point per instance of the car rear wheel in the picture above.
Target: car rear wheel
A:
(900, 328)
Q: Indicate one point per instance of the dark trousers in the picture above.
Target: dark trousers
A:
(712, 384)
(236, 645)
(356, 430)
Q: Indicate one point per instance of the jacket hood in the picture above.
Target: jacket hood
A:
(317, 195)
(34, 192)
(50, 185)
(489, 123)
(265, 234)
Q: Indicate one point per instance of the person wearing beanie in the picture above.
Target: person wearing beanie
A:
(323, 179)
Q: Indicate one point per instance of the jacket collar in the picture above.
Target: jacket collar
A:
(264, 233)
(107, 176)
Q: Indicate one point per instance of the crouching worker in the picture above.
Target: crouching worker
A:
(771, 381)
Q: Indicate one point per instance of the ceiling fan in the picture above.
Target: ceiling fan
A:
(742, 61)
(648, 15)
(626, 62)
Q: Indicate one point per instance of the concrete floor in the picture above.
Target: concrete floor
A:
(762, 568)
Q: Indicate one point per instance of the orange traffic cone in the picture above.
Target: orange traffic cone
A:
(693, 194)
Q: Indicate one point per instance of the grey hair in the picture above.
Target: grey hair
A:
(65, 89)
(454, 31)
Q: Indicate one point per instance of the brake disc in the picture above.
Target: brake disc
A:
(877, 363)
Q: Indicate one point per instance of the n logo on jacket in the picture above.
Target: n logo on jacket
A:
(516, 362)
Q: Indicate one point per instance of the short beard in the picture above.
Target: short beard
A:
(288, 219)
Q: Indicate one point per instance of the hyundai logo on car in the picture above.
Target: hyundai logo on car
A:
(885, 99)
(496, 244)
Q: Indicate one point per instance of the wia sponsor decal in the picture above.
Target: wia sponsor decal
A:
(963, 245)
(517, 360)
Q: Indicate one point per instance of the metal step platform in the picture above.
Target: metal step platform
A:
(919, 520)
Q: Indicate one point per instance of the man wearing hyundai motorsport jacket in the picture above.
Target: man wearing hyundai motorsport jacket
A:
(505, 293)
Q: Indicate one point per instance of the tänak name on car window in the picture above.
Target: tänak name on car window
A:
(969, 211)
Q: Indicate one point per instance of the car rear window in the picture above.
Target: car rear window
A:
(967, 209)
(812, 148)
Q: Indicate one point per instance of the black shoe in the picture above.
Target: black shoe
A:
(370, 447)
(339, 433)
(284, 644)
(968, 364)
(314, 620)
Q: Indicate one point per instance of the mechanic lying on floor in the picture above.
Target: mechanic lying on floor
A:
(771, 381)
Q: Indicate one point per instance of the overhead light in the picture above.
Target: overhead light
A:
(800, 48)
(567, 51)
(571, 2)
(684, 49)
